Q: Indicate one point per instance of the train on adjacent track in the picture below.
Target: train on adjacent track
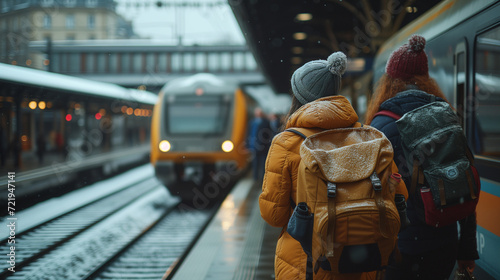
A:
(59, 131)
(463, 48)
(198, 134)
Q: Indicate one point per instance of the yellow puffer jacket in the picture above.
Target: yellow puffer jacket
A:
(280, 182)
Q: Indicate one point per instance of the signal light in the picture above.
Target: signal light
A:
(68, 117)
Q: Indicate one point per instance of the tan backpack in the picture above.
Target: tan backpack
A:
(346, 183)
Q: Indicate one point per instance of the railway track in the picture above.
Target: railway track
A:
(158, 252)
(34, 243)
(135, 233)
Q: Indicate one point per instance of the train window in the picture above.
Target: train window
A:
(487, 94)
(460, 83)
(197, 115)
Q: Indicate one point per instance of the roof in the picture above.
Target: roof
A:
(356, 27)
(38, 78)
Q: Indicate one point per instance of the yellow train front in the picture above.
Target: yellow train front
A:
(198, 136)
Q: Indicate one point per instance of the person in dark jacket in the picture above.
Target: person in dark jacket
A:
(259, 139)
(426, 252)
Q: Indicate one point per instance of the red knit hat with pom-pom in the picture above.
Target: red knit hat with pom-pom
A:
(408, 60)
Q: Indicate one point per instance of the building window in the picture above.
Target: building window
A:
(250, 62)
(151, 63)
(69, 3)
(91, 21)
(56, 63)
(91, 3)
(101, 63)
(90, 63)
(125, 63)
(200, 62)
(137, 63)
(188, 63)
(70, 21)
(238, 61)
(3, 49)
(47, 21)
(15, 24)
(176, 62)
(213, 62)
(162, 62)
(225, 62)
(74, 63)
(47, 3)
(113, 62)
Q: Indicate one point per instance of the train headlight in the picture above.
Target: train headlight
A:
(164, 146)
(227, 146)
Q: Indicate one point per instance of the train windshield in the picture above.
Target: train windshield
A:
(197, 114)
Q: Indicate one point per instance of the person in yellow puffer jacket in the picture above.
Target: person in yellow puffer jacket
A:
(315, 106)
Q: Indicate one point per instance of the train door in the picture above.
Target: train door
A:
(460, 84)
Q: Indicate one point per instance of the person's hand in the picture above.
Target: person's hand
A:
(466, 264)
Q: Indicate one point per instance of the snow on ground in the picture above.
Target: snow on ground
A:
(56, 206)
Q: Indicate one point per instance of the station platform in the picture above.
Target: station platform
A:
(237, 244)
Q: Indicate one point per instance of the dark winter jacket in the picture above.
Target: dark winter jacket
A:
(419, 237)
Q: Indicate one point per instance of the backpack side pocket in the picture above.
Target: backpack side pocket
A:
(300, 226)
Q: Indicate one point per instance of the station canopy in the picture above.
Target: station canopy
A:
(285, 34)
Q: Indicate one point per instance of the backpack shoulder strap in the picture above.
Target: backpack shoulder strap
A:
(302, 132)
(388, 114)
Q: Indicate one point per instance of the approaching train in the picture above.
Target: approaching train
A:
(463, 48)
(198, 132)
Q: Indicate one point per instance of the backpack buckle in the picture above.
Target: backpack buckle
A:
(377, 185)
(331, 188)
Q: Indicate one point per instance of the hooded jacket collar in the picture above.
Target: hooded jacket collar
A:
(325, 113)
(407, 100)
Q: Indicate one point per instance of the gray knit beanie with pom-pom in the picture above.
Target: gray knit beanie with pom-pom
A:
(319, 78)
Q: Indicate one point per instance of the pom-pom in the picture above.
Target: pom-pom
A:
(337, 63)
(417, 43)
